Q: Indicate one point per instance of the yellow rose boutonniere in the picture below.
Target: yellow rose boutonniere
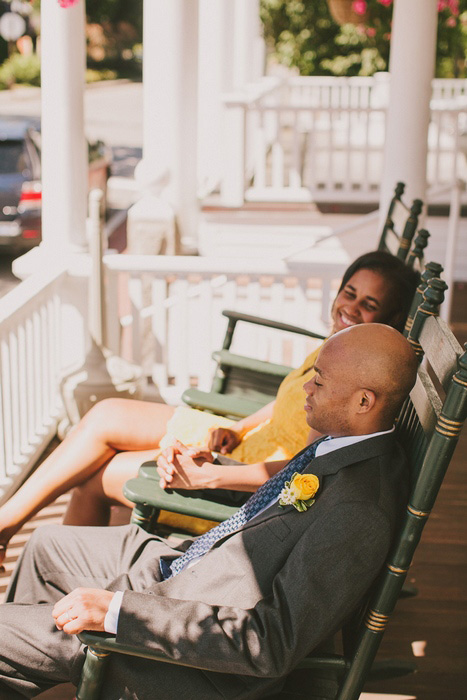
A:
(299, 491)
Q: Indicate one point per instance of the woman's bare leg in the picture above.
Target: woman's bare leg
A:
(91, 501)
(111, 426)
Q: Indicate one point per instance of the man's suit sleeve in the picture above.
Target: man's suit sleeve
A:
(321, 581)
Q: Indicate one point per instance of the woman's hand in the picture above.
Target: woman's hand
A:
(224, 440)
(179, 466)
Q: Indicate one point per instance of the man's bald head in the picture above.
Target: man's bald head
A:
(370, 368)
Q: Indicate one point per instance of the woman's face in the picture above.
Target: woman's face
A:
(365, 298)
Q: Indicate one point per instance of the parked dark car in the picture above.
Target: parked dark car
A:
(20, 181)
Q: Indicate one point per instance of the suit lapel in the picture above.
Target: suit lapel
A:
(331, 463)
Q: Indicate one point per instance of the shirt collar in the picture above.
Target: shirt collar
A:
(330, 444)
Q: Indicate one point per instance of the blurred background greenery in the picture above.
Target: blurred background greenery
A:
(300, 34)
(113, 42)
(303, 34)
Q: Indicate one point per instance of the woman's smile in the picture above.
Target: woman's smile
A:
(345, 321)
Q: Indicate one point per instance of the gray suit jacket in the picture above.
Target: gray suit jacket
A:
(268, 594)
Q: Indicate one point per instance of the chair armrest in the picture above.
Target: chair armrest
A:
(221, 404)
(230, 359)
(100, 641)
(148, 492)
(237, 316)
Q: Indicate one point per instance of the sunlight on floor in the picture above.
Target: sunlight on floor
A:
(419, 648)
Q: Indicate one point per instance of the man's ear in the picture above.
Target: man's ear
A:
(366, 400)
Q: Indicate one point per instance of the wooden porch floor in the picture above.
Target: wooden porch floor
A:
(431, 627)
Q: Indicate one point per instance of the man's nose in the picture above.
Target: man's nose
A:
(308, 386)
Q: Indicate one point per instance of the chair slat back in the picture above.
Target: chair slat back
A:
(416, 256)
(400, 226)
(432, 270)
(428, 428)
(426, 413)
(396, 226)
(441, 349)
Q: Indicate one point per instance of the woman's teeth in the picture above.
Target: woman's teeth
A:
(347, 321)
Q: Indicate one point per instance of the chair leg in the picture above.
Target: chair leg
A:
(92, 675)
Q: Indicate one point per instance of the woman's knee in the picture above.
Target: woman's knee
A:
(103, 415)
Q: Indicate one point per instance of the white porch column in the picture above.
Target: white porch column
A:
(215, 78)
(248, 43)
(64, 157)
(245, 64)
(170, 90)
(412, 62)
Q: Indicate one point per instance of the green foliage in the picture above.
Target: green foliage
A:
(115, 11)
(25, 70)
(113, 28)
(302, 34)
(94, 76)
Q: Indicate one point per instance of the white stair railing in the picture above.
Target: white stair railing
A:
(30, 367)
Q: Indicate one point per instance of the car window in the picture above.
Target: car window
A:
(14, 158)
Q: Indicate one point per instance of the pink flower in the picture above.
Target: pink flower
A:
(451, 22)
(67, 3)
(359, 6)
(386, 3)
(371, 31)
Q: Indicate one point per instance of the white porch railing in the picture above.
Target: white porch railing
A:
(172, 322)
(322, 138)
(30, 364)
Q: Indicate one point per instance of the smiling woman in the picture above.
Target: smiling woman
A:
(113, 439)
(376, 288)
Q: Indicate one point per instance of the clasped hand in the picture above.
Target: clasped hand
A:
(223, 440)
(179, 466)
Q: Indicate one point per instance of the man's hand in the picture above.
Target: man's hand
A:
(179, 466)
(82, 609)
(223, 440)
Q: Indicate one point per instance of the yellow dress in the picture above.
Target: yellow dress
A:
(280, 437)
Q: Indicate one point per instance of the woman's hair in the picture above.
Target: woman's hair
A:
(401, 279)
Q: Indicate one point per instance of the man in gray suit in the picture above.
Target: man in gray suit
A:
(246, 601)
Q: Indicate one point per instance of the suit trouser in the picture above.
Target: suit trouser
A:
(34, 655)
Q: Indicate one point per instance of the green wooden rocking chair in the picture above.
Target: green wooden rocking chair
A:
(429, 430)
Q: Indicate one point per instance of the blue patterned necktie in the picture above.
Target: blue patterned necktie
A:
(259, 500)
